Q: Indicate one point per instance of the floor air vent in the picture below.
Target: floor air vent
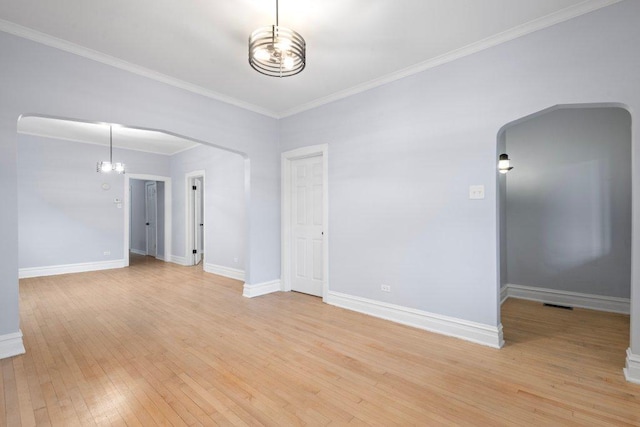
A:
(565, 307)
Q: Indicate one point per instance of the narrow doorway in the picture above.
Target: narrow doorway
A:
(147, 216)
(195, 217)
(151, 216)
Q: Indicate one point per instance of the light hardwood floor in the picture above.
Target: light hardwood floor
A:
(160, 344)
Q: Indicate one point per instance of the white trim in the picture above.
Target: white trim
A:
(504, 294)
(632, 367)
(497, 39)
(251, 291)
(52, 270)
(138, 251)
(176, 259)
(36, 36)
(160, 258)
(285, 245)
(470, 331)
(11, 345)
(572, 299)
(220, 270)
(167, 212)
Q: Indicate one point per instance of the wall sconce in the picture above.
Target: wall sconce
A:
(504, 165)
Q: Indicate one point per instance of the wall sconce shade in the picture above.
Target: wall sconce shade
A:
(504, 164)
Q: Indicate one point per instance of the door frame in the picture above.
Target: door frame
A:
(189, 216)
(146, 216)
(287, 158)
(167, 212)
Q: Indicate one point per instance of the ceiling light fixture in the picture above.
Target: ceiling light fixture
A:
(110, 166)
(277, 51)
(504, 164)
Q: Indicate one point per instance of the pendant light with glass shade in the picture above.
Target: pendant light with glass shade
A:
(109, 166)
(277, 51)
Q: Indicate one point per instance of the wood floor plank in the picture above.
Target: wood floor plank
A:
(161, 344)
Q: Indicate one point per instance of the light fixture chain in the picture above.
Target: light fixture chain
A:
(277, 23)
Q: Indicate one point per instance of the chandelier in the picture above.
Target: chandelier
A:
(109, 166)
(277, 51)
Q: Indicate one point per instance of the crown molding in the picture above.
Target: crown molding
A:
(36, 36)
(513, 33)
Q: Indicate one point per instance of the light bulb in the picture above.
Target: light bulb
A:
(262, 54)
(106, 167)
(288, 63)
(119, 167)
(503, 164)
(283, 44)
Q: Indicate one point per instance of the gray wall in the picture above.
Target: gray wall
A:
(39, 79)
(225, 204)
(502, 214)
(402, 157)
(569, 202)
(65, 215)
(138, 240)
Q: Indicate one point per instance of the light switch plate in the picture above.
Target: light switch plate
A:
(476, 192)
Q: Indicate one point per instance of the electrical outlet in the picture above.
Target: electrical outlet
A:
(105, 253)
(385, 288)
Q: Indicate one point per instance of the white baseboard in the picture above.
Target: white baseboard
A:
(572, 299)
(137, 251)
(11, 345)
(471, 331)
(258, 289)
(504, 294)
(179, 260)
(632, 368)
(220, 270)
(160, 257)
(52, 270)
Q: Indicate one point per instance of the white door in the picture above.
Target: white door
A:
(198, 224)
(306, 226)
(151, 209)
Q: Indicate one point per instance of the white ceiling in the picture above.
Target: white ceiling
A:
(352, 45)
(98, 133)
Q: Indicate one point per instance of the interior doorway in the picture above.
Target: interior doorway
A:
(195, 203)
(147, 216)
(305, 221)
(565, 217)
(151, 217)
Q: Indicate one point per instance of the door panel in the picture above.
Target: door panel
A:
(198, 237)
(307, 227)
(151, 208)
